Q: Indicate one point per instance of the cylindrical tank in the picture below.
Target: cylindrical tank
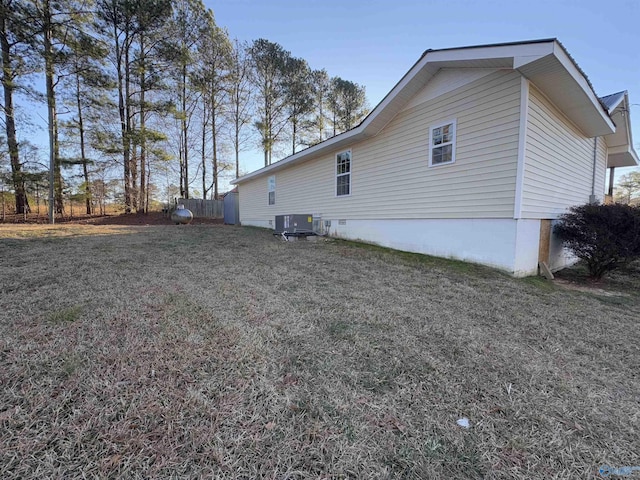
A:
(181, 215)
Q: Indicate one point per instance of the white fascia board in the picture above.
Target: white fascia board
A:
(331, 143)
(627, 121)
(536, 49)
(580, 79)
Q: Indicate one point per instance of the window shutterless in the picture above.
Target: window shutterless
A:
(442, 144)
(271, 188)
(343, 173)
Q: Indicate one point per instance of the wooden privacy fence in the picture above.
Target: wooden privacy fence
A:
(203, 208)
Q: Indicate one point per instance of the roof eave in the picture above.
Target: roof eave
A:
(623, 156)
(517, 55)
(560, 78)
(332, 143)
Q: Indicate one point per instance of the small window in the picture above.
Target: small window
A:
(343, 174)
(443, 144)
(271, 187)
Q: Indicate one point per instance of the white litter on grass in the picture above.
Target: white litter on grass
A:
(463, 422)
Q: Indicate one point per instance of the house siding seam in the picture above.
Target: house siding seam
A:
(559, 162)
(480, 184)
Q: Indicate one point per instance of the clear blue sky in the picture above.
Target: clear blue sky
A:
(375, 42)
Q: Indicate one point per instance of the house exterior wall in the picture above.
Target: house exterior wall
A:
(558, 169)
(390, 173)
(466, 210)
(558, 162)
(507, 244)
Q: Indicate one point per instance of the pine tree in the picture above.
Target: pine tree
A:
(86, 85)
(269, 62)
(240, 99)
(151, 18)
(15, 63)
(320, 85)
(347, 104)
(56, 24)
(187, 26)
(298, 97)
(215, 60)
(130, 27)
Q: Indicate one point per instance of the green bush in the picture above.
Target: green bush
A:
(604, 236)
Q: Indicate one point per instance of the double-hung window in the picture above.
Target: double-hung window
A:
(343, 174)
(271, 188)
(442, 148)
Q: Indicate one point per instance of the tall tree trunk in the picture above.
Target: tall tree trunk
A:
(321, 120)
(294, 131)
(237, 146)
(181, 161)
(22, 205)
(265, 134)
(185, 158)
(146, 203)
(334, 123)
(83, 156)
(143, 135)
(55, 177)
(134, 173)
(130, 198)
(123, 112)
(204, 146)
(214, 144)
(143, 160)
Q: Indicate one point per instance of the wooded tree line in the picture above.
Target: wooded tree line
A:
(151, 87)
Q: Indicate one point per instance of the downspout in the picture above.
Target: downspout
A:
(612, 174)
(592, 197)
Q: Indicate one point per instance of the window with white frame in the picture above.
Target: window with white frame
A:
(442, 148)
(343, 173)
(271, 188)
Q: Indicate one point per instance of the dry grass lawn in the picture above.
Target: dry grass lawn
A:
(221, 352)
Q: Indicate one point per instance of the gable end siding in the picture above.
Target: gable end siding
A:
(558, 162)
(391, 177)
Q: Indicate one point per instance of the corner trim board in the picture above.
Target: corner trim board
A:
(522, 146)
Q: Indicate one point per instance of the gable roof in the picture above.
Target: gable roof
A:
(612, 101)
(545, 62)
(620, 142)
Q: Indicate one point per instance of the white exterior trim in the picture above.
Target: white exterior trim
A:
(522, 145)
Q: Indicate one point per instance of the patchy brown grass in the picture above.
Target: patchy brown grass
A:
(112, 218)
(221, 352)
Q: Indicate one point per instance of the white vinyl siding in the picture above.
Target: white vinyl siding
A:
(392, 178)
(558, 162)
